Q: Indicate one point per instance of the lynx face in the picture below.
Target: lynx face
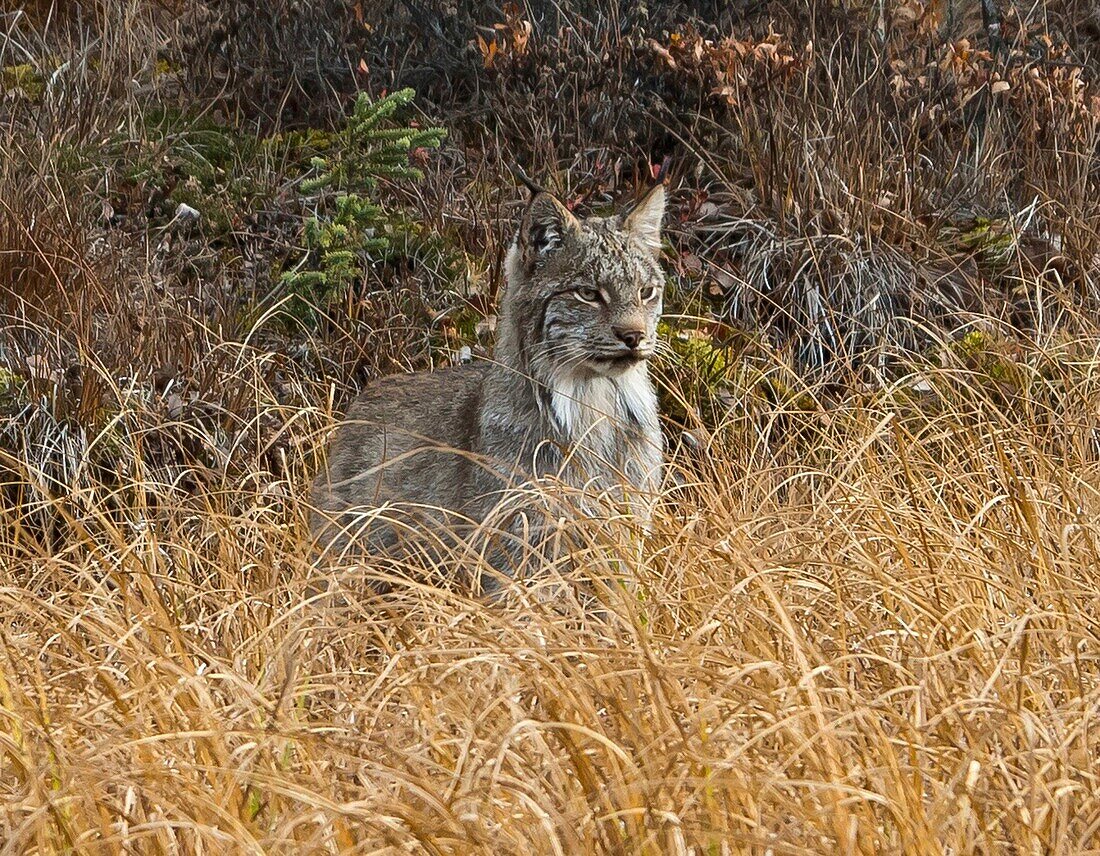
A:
(590, 290)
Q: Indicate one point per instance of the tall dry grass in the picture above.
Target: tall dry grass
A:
(866, 628)
(864, 621)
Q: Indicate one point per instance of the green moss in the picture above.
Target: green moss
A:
(414, 241)
(971, 344)
(990, 240)
(700, 368)
(991, 361)
(220, 171)
(216, 216)
(13, 388)
(74, 160)
(687, 301)
(299, 147)
(23, 80)
(464, 323)
(697, 353)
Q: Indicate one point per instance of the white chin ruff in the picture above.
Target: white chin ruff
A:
(583, 403)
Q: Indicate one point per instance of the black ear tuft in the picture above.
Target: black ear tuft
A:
(534, 188)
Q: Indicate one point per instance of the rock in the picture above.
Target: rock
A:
(186, 214)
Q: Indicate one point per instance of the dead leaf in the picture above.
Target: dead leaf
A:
(662, 52)
(693, 265)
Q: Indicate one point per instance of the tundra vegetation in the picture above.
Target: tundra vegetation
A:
(865, 618)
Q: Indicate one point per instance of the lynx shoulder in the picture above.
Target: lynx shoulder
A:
(567, 393)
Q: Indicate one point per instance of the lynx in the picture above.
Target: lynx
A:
(566, 395)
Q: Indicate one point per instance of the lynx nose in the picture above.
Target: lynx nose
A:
(631, 337)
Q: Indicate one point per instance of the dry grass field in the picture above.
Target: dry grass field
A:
(866, 618)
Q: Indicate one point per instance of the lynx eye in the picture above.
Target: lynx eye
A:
(648, 293)
(588, 294)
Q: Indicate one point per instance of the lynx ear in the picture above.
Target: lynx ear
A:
(546, 224)
(643, 223)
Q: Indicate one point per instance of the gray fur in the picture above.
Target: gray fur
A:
(564, 396)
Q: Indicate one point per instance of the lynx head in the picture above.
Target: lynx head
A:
(583, 295)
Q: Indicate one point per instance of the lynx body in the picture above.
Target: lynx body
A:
(567, 394)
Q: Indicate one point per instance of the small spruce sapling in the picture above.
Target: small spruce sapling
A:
(345, 231)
